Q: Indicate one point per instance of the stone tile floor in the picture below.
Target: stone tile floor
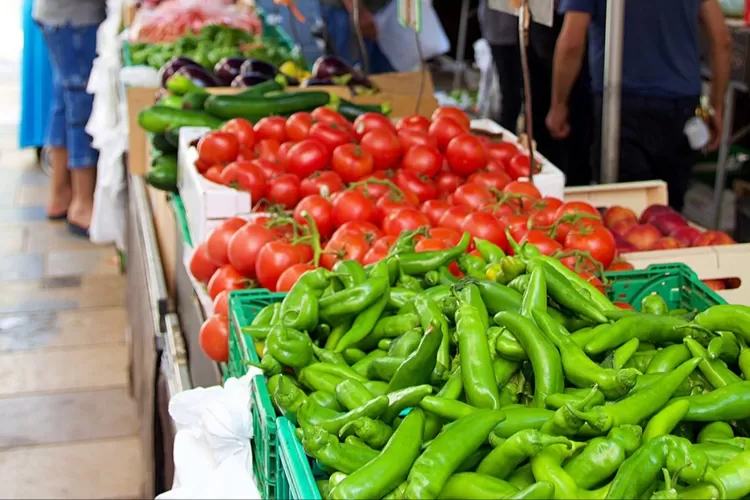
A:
(68, 423)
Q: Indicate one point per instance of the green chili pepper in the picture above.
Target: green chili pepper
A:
(397, 493)
(257, 332)
(518, 418)
(654, 304)
(715, 430)
(547, 466)
(375, 433)
(544, 357)
(638, 406)
(372, 409)
(446, 408)
(666, 420)
(512, 267)
(567, 296)
(384, 368)
(520, 283)
(454, 387)
(476, 363)
(352, 394)
(597, 297)
(724, 347)
(430, 314)
(317, 380)
(399, 297)
(564, 422)
(266, 315)
(323, 488)
(471, 485)
(472, 266)
(557, 401)
(368, 318)
(744, 359)
(668, 359)
(326, 400)
(523, 477)
(515, 387)
(288, 397)
(622, 354)
(337, 334)
(489, 251)
(335, 479)
(299, 309)
(377, 387)
(584, 335)
(362, 366)
(400, 400)
(701, 491)
(504, 369)
(358, 442)
(418, 263)
(468, 293)
(350, 273)
(716, 372)
(535, 296)
(725, 403)
(726, 318)
(406, 344)
(418, 367)
(497, 297)
(391, 467)
(717, 454)
(507, 345)
(602, 456)
(289, 347)
(351, 301)
(448, 450)
(504, 459)
(341, 457)
(578, 367)
(352, 355)
(408, 282)
(326, 356)
(647, 328)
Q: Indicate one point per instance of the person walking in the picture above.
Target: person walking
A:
(661, 82)
(69, 28)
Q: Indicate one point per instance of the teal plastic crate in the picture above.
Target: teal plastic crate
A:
(244, 305)
(294, 477)
(677, 284)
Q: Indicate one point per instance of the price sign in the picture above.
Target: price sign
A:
(542, 11)
(410, 14)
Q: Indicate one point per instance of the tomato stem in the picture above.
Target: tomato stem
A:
(572, 219)
(314, 238)
(379, 182)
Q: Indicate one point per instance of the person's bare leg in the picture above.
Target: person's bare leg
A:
(61, 190)
(82, 204)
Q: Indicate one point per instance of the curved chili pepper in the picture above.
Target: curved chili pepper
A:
(409, 397)
(326, 400)
(640, 361)
(299, 309)
(352, 394)
(578, 282)
(383, 368)
(362, 367)
(366, 320)
(454, 387)
(726, 403)
(518, 418)
(717, 454)
(266, 316)
(479, 382)
(374, 433)
(544, 357)
(490, 252)
(519, 283)
(666, 420)
(724, 347)
(638, 406)
(399, 297)
(472, 485)
(404, 345)
(602, 456)
(564, 422)
(701, 491)
(504, 369)
(668, 359)
(654, 304)
(337, 333)
(418, 263)
(716, 372)
(326, 356)
(323, 488)
(390, 468)
(394, 326)
(408, 282)
(557, 401)
(351, 301)
(647, 328)
(535, 296)
(744, 359)
(376, 387)
(372, 409)
(417, 368)
(547, 466)
(506, 344)
(468, 293)
(352, 355)
(397, 493)
(289, 347)
(498, 297)
(715, 430)
(431, 316)
(472, 266)
(341, 457)
(726, 318)
(513, 389)
(349, 273)
(512, 268)
(504, 459)
(622, 354)
(568, 296)
(288, 397)
(448, 450)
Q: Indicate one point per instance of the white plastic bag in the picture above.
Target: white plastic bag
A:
(488, 104)
(399, 43)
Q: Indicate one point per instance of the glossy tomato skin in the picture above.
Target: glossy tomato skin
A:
(225, 278)
(449, 236)
(268, 149)
(351, 206)
(410, 138)
(495, 180)
(221, 303)
(501, 152)
(596, 240)
(419, 185)
(352, 162)
(473, 195)
(519, 166)
(245, 245)
(289, 277)
(284, 191)
(517, 224)
(485, 226)
(424, 160)
(213, 174)
(218, 148)
(453, 218)
(453, 112)
(273, 259)
(271, 127)
(218, 239)
(242, 130)
(270, 169)
(434, 209)
(330, 135)
(201, 265)
(430, 245)
(448, 182)
(444, 129)
(540, 239)
(346, 247)
(384, 147)
(388, 203)
(528, 190)
(307, 157)
(374, 255)
(324, 183)
(298, 126)
(329, 116)
(367, 230)
(319, 208)
(407, 219)
(371, 121)
(576, 207)
(620, 265)
(414, 122)
(213, 338)
(250, 178)
(465, 154)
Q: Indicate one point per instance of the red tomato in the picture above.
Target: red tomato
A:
(444, 130)
(472, 195)
(424, 160)
(429, 245)
(413, 122)
(307, 157)
(496, 180)
(465, 154)
(330, 135)
(449, 236)
(201, 265)
(368, 230)
(218, 148)
(454, 217)
(271, 127)
(213, 174)
(620, 265)
(576, 207)
(245, 244)
(352, 162)
(268, 149)
(448, 182)
(457, 114)
(283, 153)
(249, 178)
(289, 277)
(434, 209)
(270, 169)
(594, 280)
(284, 191)
(371, 121)
(298, 126)
(520, 166)
(221, 303)
(494, 166)
(213, 338)
(331, 117)
(417, 184)
(246, 154)
(384, 147)
(218, 239)
(242, 129)
(410, 138)
(201, 166)
(501, 152)
(347, 247)
(273, 259)
(597, 240)
(388, 203)
(384, 242)
(225, 278)
(518, 225)
(319, 209)
(406, 219)
(324, 183)
(350, 206)
(374, 255)
(485, 226)
(527, 189)
(542, 241)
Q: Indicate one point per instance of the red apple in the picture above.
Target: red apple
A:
(623, 246)
(715, 284)
(710, 238)
(618, 213)
(668, 221)
(620, 227)
(685, 235)
(643, 236)
(666, 243)
(652, 211)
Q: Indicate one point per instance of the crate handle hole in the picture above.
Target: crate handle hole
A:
(718, 284)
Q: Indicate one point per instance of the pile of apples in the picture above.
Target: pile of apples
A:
(658, 228)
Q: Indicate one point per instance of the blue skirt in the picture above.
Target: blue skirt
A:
(36, 83)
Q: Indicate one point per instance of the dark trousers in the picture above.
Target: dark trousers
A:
(507, 60)
(652, 142)
(572, 154)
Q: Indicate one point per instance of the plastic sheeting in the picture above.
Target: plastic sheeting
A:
(36, 83)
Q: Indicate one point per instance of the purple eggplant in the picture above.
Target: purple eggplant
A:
(172, 66)
(315, 82)
(228, 68)
(257, 66)
(249, 80)
(199, 76)
(340, 72)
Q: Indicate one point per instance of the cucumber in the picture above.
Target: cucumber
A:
(173, 137)
(163, 177)
(351, 111)
(159, 119)
(171, 101)
(194, 100)
(254, 108)
(262, 88)
(169, 160)
(160, 143)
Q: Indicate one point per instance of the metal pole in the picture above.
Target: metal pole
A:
(463, 28)
(612, 91)
(721, 166)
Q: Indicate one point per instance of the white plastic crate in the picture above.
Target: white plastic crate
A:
(207, 204)
(550, 181)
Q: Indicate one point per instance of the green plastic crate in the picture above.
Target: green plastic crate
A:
(294, 477)
(179, 213)
(677, 284)
(244, 305)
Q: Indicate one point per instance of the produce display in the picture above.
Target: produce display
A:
(472, 389)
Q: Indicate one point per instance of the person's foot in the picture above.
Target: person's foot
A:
(82, 205)
(79, 216)
(59, 203)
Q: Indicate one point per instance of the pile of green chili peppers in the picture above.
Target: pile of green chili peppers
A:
(407, 382)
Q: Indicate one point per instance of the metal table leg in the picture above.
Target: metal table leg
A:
(463, 29)
(725, 144)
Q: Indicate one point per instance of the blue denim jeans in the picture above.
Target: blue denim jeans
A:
(72, 50)
(340, 35)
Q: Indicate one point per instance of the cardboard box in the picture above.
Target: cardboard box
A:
(165, 225)
(401, 90)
